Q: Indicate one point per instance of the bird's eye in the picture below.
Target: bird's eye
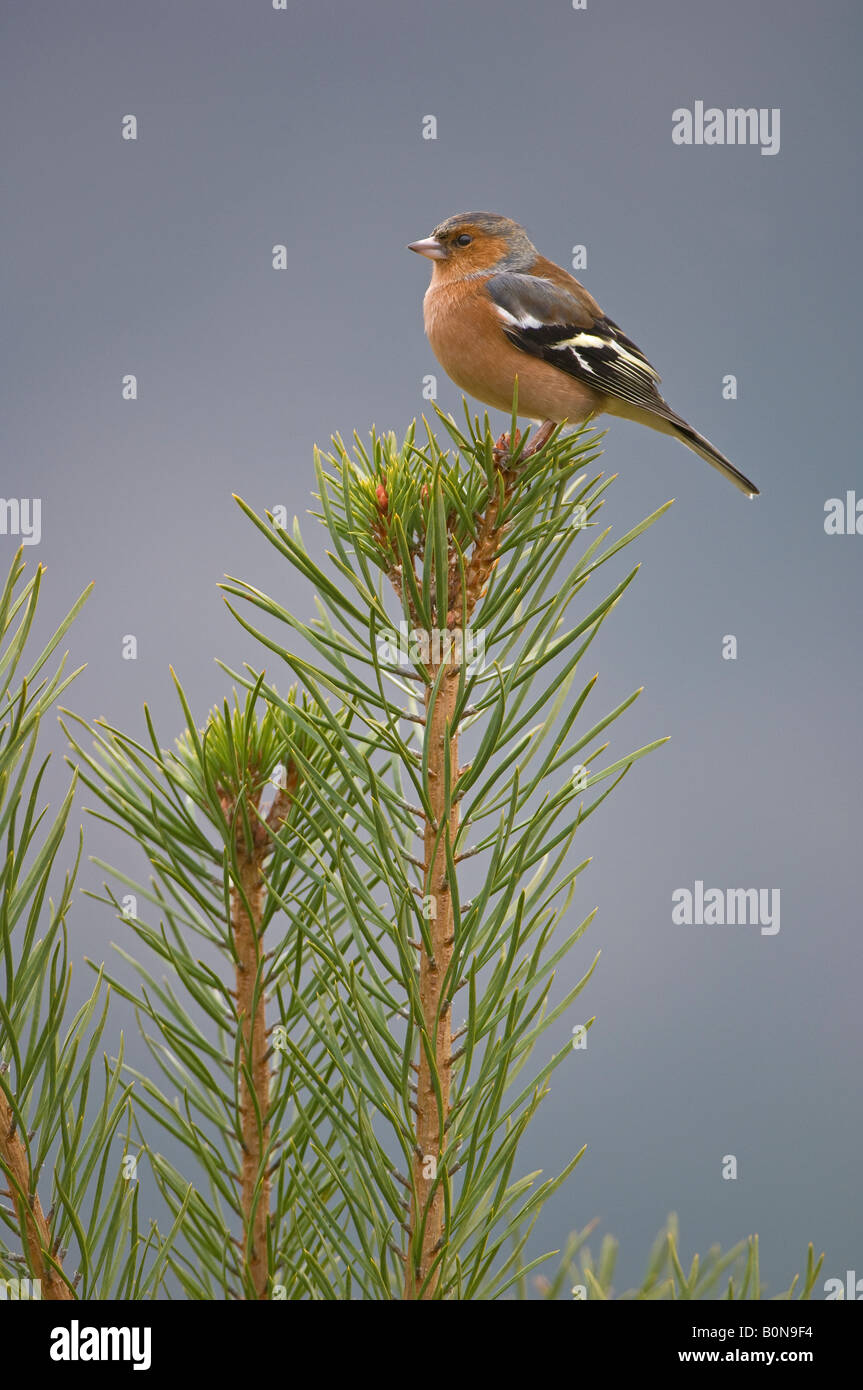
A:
(463, 240)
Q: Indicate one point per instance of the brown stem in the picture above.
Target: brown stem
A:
(247, 906)
(431, 1113)
(433, 1101)
(31, 1217)
(255, 1098)
(489, 534)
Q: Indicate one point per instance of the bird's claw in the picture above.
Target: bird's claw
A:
(502, 451)
(503, 447)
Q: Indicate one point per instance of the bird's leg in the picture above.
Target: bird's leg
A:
(543, 435)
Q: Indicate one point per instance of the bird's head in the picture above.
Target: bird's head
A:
(476, 243)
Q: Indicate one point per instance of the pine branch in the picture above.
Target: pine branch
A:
(42, 1259)
(248, 897)
(472, 544)
(240, 866)
(465, 586)
(54, 1133)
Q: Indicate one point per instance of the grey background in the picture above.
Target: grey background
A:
(304, 127)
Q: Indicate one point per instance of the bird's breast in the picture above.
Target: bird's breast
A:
(467, 339)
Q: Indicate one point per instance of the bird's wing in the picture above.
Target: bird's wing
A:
(552, 322)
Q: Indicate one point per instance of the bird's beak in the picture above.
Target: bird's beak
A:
(429, 247)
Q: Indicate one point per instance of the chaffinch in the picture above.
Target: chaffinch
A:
(496, 310)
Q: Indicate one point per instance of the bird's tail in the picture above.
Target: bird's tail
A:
(703, 447)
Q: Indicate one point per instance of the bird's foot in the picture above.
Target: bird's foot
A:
(503, 447)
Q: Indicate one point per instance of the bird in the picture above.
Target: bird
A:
(496, 311)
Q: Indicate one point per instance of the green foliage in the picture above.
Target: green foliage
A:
(403, 519)
(733, 1275)
(192, 809)
(294, 841)
(65, 1113)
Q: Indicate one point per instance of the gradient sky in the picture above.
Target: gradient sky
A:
(305, 128)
